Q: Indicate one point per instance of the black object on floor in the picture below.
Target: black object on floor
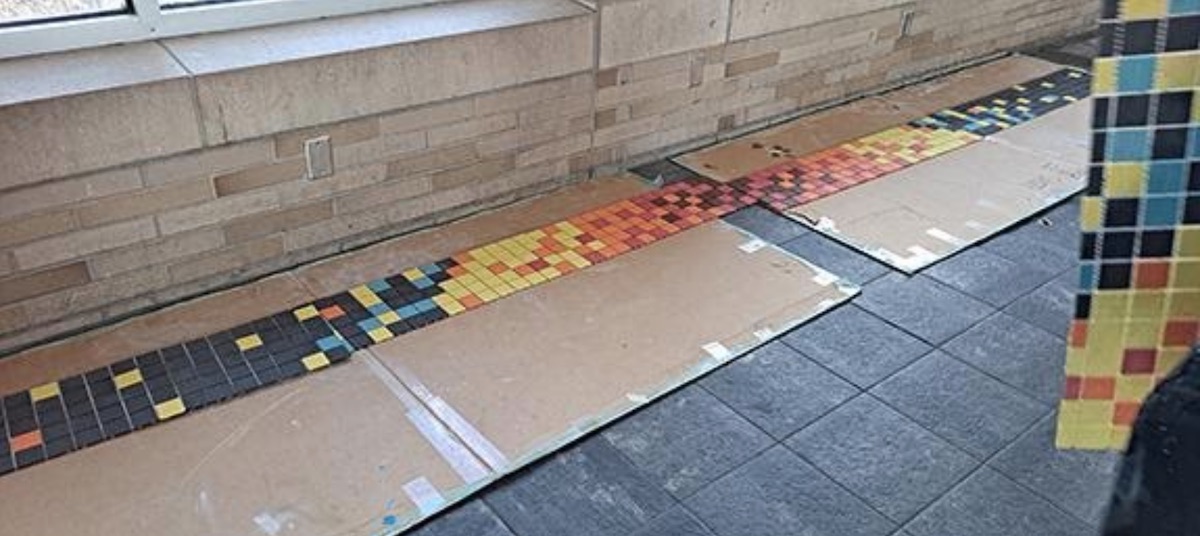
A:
(1156, 491)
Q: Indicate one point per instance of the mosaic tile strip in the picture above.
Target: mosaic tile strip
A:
(801, 180)
(1138, 309)
(70, 414)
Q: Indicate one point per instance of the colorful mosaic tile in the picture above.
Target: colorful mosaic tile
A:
(56, 418)
(804, 179)
(1138, 309)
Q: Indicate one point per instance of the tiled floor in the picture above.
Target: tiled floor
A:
(923, 408)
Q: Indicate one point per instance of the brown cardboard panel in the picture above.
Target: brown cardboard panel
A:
(330, 454)
(737, 158)
(338, 274)
(531, 372)
(173, 325)
(918, 215)
(1064, 134)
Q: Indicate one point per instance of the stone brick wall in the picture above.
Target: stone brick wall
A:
(118, 200)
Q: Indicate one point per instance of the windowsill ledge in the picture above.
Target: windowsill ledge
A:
(86, 110)
(66, 74)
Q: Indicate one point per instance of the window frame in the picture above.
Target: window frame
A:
(147, 20)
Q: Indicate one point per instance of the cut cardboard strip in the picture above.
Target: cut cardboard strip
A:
(534, 372)
(738, 158)
(327, 454)
(919, 215)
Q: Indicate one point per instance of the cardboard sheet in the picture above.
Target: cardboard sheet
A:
(919, 215)
(736, 158)
(530, 373)
(330, 454)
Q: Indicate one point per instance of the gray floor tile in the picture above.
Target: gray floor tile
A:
(778, 389)
(1020, 354)
(1049, 242)
(780, 494)
(922, 306)
(989, 277)
(880, 455)
(587, 490)
(987, 504)
(1077, 481)
(468, 519)
(836, 258)
(665, 171)
(1050, 306)
(686, 440)
(676, 522)
(767, 225)
(973, 411)
(856, 345)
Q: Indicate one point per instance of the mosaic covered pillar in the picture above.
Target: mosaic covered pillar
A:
(1138, 309)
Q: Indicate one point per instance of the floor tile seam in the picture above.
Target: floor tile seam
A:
(979, 369)
(985, 464)
(1025, 435)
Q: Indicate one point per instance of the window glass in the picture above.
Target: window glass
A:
(22, 11)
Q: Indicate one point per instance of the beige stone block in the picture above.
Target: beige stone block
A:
(554, 109)
(423, 117)
(27, 285)
(478, 172)
(165, 250)
(247, 103)
(556, 150)
(12, 318)
(231, 259)
(334, 229)
(292, 143)
(388, 145)
(605, 118)
(29, 228)
(259, 177)
(507, 100)
(760, 17)
(82, 243)
(69, 302)
(209, 162)
(145, 201)
(432, 160)
(749, 65)
(345, 180)
(249, 228)
(636, 30)
(67, 191)
(608, 77)
(474, 128)
(221, 210)
(650, 87)
(69, 135)
(383, 193)
(627, 130)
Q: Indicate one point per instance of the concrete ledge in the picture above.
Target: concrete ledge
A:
(75, 112)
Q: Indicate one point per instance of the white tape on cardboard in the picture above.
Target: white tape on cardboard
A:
(422, 493)
(753, 245)
(718, 351)
(945, 237)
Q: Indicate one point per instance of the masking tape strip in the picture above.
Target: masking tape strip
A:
(478, 444)
(945, 237)
(753, 245)
(473, 438)
(423, 494)
(468, 467)
(718, 351)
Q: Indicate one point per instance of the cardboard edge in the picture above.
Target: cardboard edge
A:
(737, 347)
(828, 228)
